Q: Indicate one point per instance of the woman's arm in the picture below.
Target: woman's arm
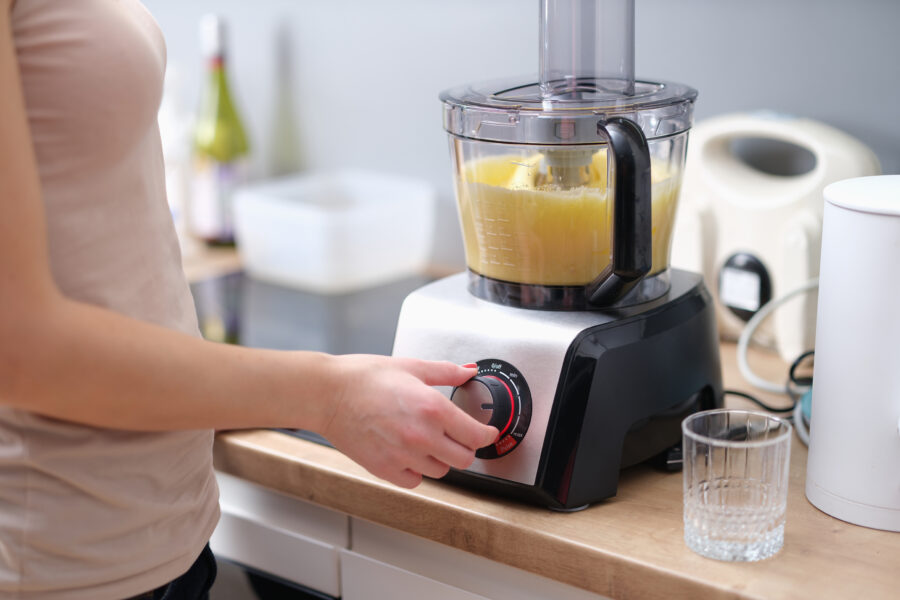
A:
(83, 363)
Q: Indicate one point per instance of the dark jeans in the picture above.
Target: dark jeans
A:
(193, 585)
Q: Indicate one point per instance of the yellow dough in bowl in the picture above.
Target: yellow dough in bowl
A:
(518, 229)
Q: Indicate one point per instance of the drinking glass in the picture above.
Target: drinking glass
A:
(735, 483)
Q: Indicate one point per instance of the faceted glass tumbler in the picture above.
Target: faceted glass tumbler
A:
(735, 483)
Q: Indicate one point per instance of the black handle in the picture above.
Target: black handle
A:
(631, 231)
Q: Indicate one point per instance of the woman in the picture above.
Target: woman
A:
(108, 397)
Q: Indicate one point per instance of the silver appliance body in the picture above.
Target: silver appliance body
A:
(443, 321)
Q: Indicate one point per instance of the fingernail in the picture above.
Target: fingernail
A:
(470, 366)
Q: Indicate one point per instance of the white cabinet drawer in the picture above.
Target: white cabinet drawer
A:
(288, 555)
(280, 511)
(279, 534)
(481, 577)
(363, 578)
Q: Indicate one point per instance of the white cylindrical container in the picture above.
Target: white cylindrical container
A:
(853, 471)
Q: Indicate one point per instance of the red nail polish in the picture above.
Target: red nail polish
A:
(470, 366)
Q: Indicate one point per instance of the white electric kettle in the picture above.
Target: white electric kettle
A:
(853, 470)
(754, 230)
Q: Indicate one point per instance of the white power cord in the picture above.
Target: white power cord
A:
(750, 329)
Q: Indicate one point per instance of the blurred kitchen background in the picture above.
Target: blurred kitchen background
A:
(322, 85)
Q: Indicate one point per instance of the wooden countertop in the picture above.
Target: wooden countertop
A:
(630, 546)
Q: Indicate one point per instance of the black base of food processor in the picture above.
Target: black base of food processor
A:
(625, 389)
(624, 386)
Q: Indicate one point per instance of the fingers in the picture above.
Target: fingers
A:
(406, 478)
(439, 372)
(465, 430)
(400, 429)
(448, 454)
(454, 454)
(459, 426)
(462, 436)
(429, 466)
(429, 456)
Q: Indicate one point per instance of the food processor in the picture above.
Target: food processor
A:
(590, 349)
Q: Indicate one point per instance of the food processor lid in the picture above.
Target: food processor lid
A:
(519, 112)
(586, 76)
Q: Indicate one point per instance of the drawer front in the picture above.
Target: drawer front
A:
(363, 578)
(287, 554)
(281, 511)
(456, 568)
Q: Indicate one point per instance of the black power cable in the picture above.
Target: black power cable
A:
(793, 378)
(759, 402)
(804, 381)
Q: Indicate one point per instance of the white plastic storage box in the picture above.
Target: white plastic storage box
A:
(335, 232)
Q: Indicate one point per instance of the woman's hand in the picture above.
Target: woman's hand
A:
(387, 418)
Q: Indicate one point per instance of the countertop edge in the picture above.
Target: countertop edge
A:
(325, 477)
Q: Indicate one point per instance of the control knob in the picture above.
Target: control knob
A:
(488, 399)
(497, 396)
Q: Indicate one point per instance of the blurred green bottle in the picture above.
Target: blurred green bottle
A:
(221, 151)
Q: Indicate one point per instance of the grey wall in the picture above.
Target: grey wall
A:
(365, 75)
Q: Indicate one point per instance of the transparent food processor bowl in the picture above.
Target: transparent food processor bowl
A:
(527, 220)
(567, 185)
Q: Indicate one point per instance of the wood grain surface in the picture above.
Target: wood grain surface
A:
(630, 546)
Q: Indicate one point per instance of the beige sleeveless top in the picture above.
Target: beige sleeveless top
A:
(85, 512)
